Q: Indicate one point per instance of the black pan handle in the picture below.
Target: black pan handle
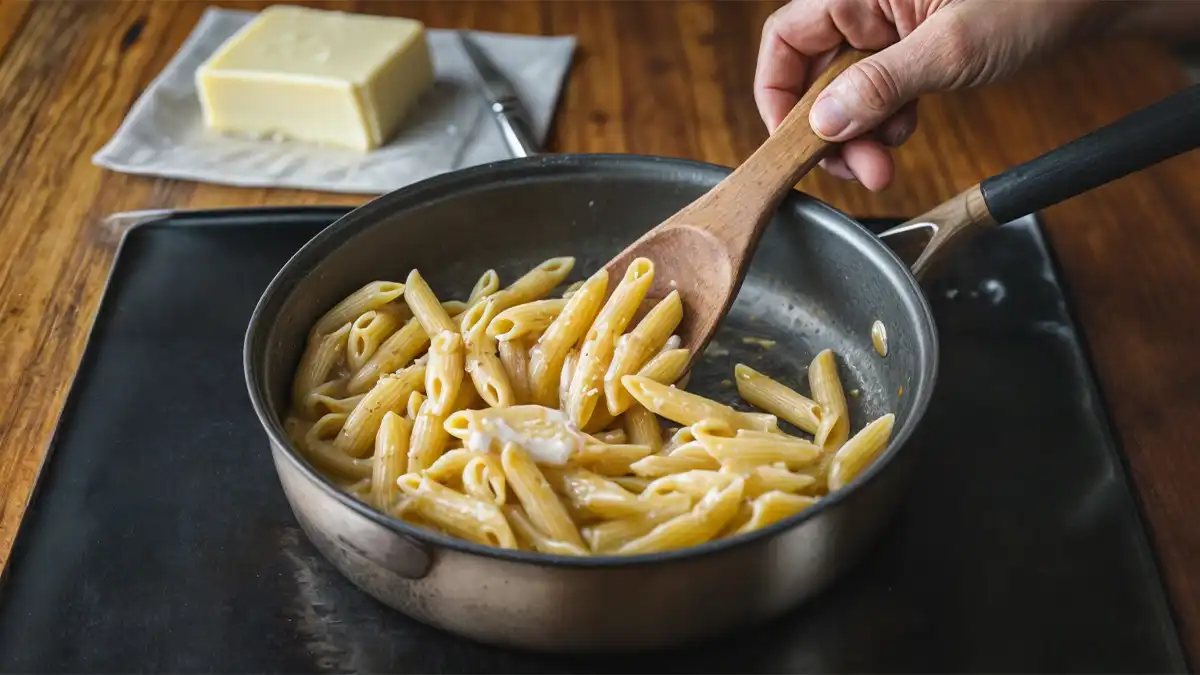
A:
(1148, 136)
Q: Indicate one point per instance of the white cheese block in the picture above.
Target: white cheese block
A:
(319, 76)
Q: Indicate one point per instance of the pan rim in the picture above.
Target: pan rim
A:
(347, 226)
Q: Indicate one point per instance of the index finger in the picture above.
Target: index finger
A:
(792, 36)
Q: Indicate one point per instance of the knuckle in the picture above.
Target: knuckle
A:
(876, 86)
(955, 45)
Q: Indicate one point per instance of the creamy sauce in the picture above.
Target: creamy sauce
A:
(549, 441)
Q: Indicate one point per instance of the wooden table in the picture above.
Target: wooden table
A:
(657, 78)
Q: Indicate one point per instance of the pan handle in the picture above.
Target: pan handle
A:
(1151, 135)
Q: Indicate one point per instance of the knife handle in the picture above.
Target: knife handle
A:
(515, 130)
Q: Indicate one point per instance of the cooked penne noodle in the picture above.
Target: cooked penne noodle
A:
(413, 408)
(610, 460)
(326, 399)
(684, 407)
(601, 419)
(773, 507)
(296, 429)
(572, 289)
(319, 449)
(396, 352)
(826, 386)
(321, 356)
(600, 341)
(429, 436)
(679, 438)
(694, 484)
(483, 478)
(754, 448)
(522, 321)
(488, 284)
(448, 469)
(778, 399)
(690, 457)
(483, 365)
(708, 517)
(389, 394)
(608, 536)
(426, 307)
(444, 371)
(371, 296)
(763, 478)
(461, 515)
(667, 366)
(367, 332)
(597, 495)
(514, 356)
(635, 484)
(391, 458)
(547, 358)
(535, 539)
(536, 283)
(858, 452)
(642, 427)
(636, 348)
(545, 511)
(568, 371)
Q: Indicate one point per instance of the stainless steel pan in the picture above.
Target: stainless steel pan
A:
(819, 280)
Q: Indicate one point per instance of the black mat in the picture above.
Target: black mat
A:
(159, 539)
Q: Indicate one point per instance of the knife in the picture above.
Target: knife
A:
(510, 114)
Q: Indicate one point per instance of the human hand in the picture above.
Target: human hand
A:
(924, 46)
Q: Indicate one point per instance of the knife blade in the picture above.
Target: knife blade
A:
(506, 107)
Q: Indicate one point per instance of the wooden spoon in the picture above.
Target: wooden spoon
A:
(704, 249)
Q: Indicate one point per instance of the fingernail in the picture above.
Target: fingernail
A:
(828, 117)
(900, 134)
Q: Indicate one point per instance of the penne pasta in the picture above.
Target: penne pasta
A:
(389, 394)
(600, 341)
(610, 460)
(325, 399)
(754, 448)
(536, 283)
(708, 517)
(397, 351)
(371, 296)
(611, 535)
(413, 408)
(483, 478)
(534, 539)
(318, 448)
(695, 484)
(858, 452)
(764, 478)
(635, 484)
(763, 392)
(690, 457)
(487, 284)
(367, 332)
(568, 371)
(514, 357)
(483, 365)
(444, 371)
(321, 355)
(773, 507)
(463, 516)
(636, 349)
(834, 427)
(429, 436)
(426, 307)
(610, 437)
(391, 458)
(572, 289)
(666, 367)
(684, 407)
(522, 321)
(545, 511)
(547, 358)
(642, 427)
(599, 496)
(448, 469)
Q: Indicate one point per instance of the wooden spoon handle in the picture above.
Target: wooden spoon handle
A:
(748, 197)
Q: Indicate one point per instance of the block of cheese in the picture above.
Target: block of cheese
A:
(319, 76)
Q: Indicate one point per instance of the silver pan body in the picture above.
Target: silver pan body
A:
(818, 281)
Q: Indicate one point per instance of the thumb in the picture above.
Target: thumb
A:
(870, 91)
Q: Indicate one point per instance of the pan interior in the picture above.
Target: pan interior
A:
(817, 281)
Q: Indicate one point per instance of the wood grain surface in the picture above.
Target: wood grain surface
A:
(658, 78)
